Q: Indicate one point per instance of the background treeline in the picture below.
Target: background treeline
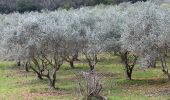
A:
(8, 6)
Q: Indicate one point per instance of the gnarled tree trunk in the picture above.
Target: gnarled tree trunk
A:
(128, 67)
(91, 67)
(72, 64)
(92, 60)
(19, 63)
(74, 58)
(39, 74)
(52, 78)
(37, 69)
(27, 65)
(164, 66)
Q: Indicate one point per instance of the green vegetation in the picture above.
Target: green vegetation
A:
(149, 84)
(8, 6)
(27, 6)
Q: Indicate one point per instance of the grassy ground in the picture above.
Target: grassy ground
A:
(148, 84)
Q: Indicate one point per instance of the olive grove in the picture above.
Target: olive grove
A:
(43, 41)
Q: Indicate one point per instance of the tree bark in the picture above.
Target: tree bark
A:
(52, 79)
(19, 63)
(129, 73)
(26, 67)
(39, 76)
(96, 59)
(91, 67)
(74, 58)
(165, 67)
(72, 64)
(166, 72)
(51, 83)
(128, 67)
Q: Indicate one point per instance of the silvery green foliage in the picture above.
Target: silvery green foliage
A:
(8, 33)
(111, 29)
(146, 26)
(141, 28)
(100, 30)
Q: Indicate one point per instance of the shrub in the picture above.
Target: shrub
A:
(27, 6)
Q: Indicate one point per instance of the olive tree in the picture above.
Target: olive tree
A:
(9, 33)
(145, 25)
(34, 40)
(114, 28)
(91, 33)
(72, 43)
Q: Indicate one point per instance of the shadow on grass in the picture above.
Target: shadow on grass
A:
(139, 82)
(12, 67)
(79, 67)
(32, 82)
(76, 68)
